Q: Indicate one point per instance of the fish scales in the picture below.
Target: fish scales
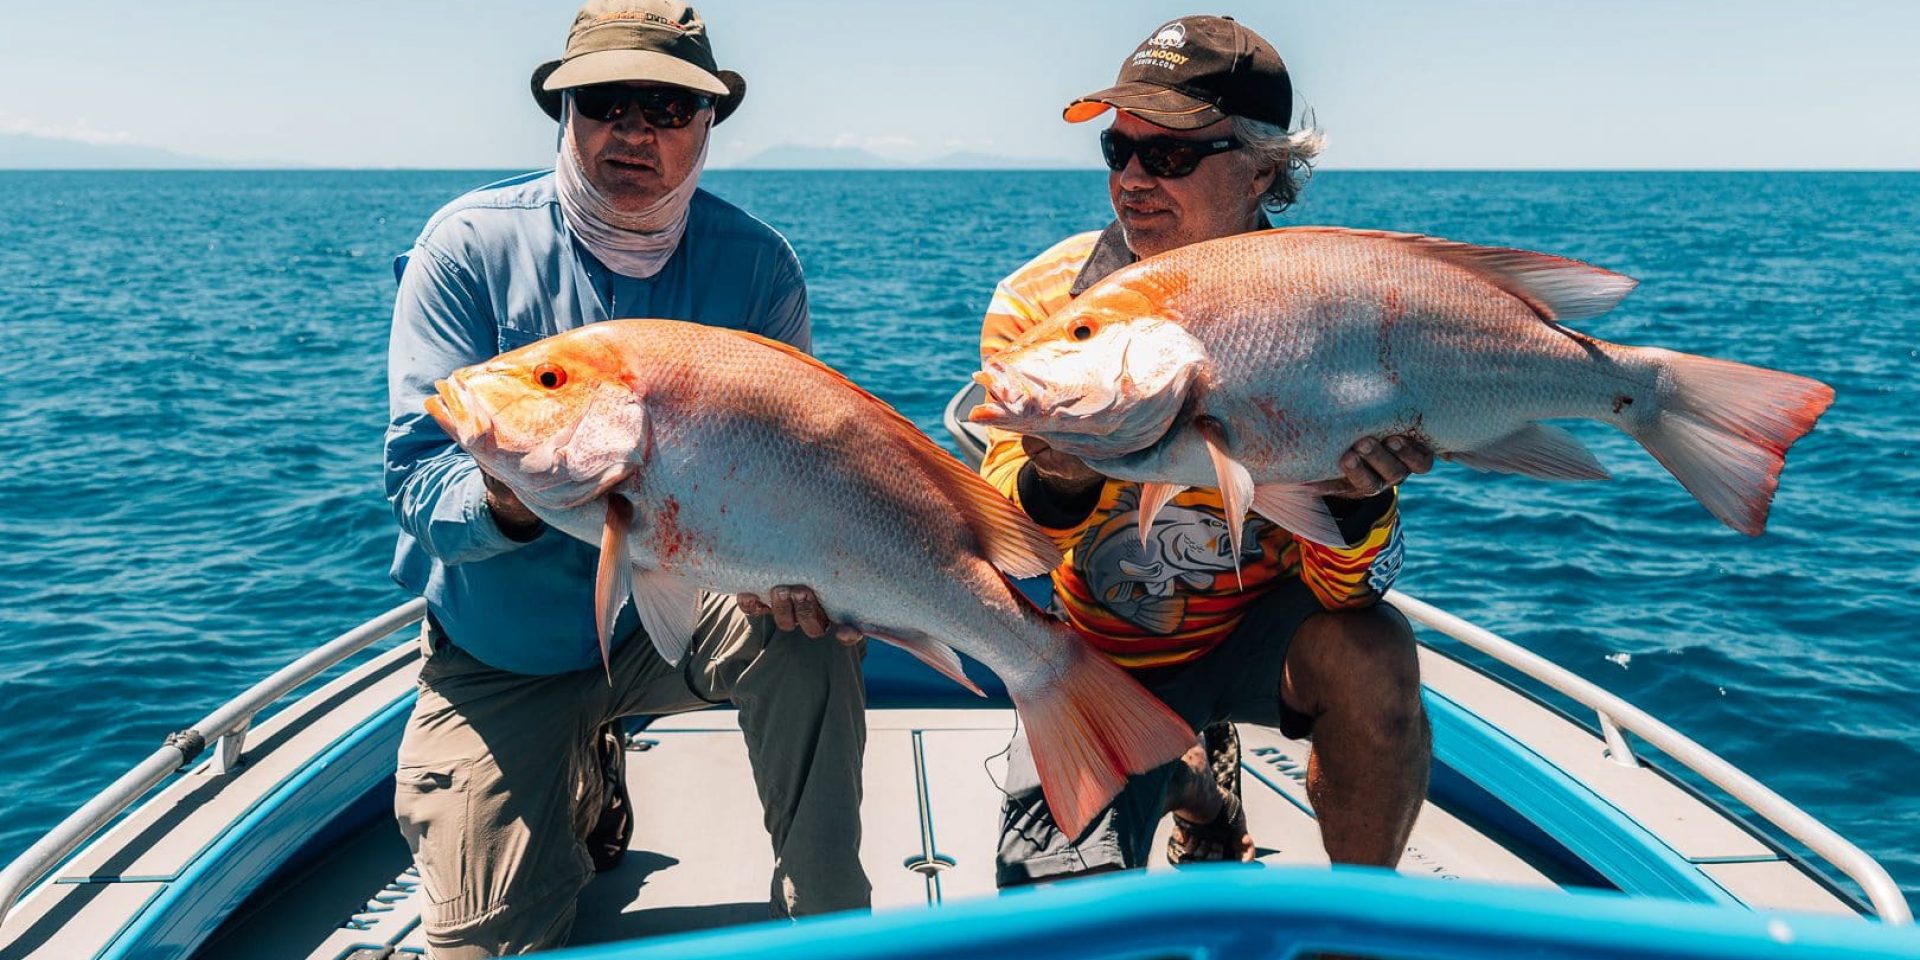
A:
(1252, 363)
(702, 459)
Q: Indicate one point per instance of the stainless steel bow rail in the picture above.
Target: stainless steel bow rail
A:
(1617, 715)
(225, 727)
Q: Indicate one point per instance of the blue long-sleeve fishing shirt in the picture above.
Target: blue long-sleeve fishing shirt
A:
(494, 270)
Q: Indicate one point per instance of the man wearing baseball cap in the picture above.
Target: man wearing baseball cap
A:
(510, 787)
(1202, 146)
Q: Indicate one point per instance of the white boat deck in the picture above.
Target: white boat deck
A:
(700, 859)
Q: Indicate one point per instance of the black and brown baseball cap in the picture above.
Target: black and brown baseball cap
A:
(1196, 71)
(614, 41)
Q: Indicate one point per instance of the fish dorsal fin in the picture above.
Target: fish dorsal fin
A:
(1556, 288)
(1008, 538)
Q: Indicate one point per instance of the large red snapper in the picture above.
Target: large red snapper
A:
(1250, 364)
(709, 459)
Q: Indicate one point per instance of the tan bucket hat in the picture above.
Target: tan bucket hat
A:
(662, 41)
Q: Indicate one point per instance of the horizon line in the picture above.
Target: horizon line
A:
(289, 168)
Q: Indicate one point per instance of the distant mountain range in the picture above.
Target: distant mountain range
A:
(23, 151)
(802, 157)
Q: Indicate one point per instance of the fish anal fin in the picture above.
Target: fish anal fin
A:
(1556, 288)
(1300, 511)
(611, 584)
(669, 608)
(929, 651)
(1536, 450)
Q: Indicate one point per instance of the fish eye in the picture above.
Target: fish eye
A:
(1082, 330)
(550, 376)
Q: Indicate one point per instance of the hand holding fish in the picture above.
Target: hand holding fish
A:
(797, 606)
(1064, 473)
(1375, 465)
(509, 514)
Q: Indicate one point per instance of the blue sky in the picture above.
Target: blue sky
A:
(1473, 84)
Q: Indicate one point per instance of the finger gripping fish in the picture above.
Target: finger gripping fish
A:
(709, 459)
(1250, 364)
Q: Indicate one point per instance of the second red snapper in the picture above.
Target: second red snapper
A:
(1250, 364)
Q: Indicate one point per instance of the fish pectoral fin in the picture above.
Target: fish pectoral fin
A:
(1236, 485)
(1153, 496)
(669, 608)
(929, 651)
(1300, 511)
(610, 582)
(1536, 450)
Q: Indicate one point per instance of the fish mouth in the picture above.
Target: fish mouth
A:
(453, 408)
(1012, 394)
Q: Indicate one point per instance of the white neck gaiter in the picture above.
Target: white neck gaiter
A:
(634, 245)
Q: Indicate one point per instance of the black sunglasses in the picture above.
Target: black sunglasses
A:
(1168, 158)
(668, 109)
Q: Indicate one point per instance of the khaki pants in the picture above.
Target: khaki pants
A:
(499, 780)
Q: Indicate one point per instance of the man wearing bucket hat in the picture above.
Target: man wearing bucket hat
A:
(1202, 146)
(510, 788)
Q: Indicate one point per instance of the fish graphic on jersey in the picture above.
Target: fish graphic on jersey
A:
(1140, 582)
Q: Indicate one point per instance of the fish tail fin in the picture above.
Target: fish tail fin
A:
(1090, 728)
(1724, 430)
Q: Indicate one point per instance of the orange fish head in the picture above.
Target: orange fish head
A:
(559, 420)
(1103, 378)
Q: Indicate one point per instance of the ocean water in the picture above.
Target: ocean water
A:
(192, 404)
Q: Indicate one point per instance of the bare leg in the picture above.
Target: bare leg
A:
(1356, 674)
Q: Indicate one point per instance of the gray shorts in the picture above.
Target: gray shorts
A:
(1238, 680)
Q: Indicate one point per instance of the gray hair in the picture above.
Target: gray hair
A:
(1290, 153)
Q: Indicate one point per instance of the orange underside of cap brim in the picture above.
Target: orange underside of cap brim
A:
(1080, 111)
